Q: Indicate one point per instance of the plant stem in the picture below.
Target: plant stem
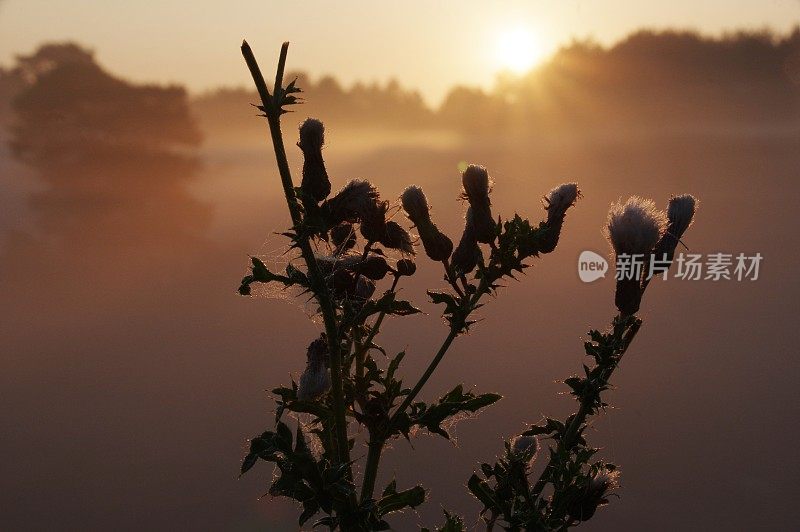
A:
(579, 419)
(374, 450)
(376, 327)
(272, 109)
(455, 329)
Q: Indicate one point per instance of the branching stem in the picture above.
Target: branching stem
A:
(272, 110)
(579, 419)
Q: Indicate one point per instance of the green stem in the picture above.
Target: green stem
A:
(272, 109)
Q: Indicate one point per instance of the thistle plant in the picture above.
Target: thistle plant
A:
(350, 252)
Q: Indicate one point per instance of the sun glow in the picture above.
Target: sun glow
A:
(519, 49)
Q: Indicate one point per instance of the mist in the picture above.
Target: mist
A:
(133, 373)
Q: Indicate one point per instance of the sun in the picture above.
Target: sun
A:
(518, 49)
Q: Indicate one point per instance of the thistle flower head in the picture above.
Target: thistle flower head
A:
(396, 237)
(635, 226)
(467, 253)
(477, 186)
(476, 183)
(315, 380)
(561, 198)
(373, 220)
(374, 267)
(437, 245)
(315, 183)
(525, 448)
(416, 205)
(604, 481)
(312, 134)
(680, 213)
(406, 267)
(343, 236)
(599, 486)
(365, 287)
(556, 203)
(354, 201)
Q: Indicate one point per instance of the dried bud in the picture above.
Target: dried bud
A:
(680, 214)
(365, 287)
(355, 200)
(374, 267)
(343, 283)
(525, 448)
(315, 380)
(315, 181)
(477, 186)
(343, 237)
(600, 485)
(556, 204)
(396, 237)
(406, 267)
(416, 205)
(467, 253)
(373, 221)
(633, 228)
(437, 245)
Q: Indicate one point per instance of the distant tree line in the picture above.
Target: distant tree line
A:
(650, 79)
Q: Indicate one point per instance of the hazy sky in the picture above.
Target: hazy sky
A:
(425, 44)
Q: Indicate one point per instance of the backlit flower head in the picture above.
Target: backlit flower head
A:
(633, 229)
(635, 226)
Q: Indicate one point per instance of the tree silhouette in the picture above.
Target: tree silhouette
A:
(114, 156)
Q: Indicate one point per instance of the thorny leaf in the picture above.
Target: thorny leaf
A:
(454, 402)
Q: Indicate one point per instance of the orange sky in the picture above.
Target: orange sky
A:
(428, 45)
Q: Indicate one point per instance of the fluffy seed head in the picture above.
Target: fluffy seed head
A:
(635, 226)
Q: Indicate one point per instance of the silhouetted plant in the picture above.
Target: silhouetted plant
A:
(344, 383)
